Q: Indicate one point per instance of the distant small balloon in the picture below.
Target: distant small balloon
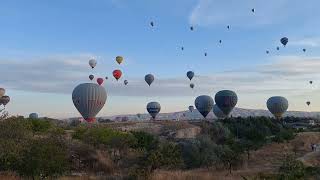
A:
(91, 77)
(267, 52)
(151, 23)
(304, 50)
(308, 103)
(153, 108)
(190, 74)
(284, 41)
(220, 41)
(119, 59)
(100, 81)
(106, 78)
(149, 78)
(253, 10)
(92, 63)
(117, 74)
(182, 48)
(228, 27)
(191, 28)
(310, 82)
(191, 108)
(191, 85)
(205, 54)
(125, 82)
(33, 116)
(278, 48)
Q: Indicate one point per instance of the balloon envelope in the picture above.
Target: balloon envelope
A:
(100, 81)
(153, 108)
(91, 77)
(125, 82)
(117, 74)
(92, 63)
(226, 100)
(33, 116)
(218, 113)
(277, 105)
(149, 78)
(2, 92)
(284, 41)
(190, 74)
(4, 100)
(89, 99)
(119, 59)
(192, 85)
(204, 104)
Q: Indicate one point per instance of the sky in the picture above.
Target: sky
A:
(46, 45)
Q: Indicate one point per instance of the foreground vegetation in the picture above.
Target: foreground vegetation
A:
(40, 148)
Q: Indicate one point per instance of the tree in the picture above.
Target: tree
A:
(46, 157)
(229, 157)
(292, 169)
(144, 141)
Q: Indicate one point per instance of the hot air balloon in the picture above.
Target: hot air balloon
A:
(204, 104)
(226, 100)
(284, 41)
(182, 48)
(228, 27)
(153, 108)
(220, 41)
(151, 23)
(89, 99)
(191, 108)
(278, 48)
(100, 81)
(92, 63)
(304, 50)
(310, 82)
(191, 28)
(277, 105)
(119, 59)
(117, 74)
(149, 78)
(191, 85)
(139, 115)
(106, 78)
(190, 74)
(218, 113)
(125, 82)
(205, 54)
(253, 10)
(267, 52)
(33, 116)
(308, 103)
(2, 92)
(4, 100)
(91, 77)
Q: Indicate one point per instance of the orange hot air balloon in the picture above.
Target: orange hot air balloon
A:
(117, 74)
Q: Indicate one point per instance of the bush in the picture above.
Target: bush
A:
(284, 135)
(40, 126)
(292, 169)
(144, 141)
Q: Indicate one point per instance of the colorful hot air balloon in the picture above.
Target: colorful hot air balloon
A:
(218, 113)
(277, 105)
(119, 59)
(100, 81)
(117, 74)
(204, 104)
(190, 74)
(284, 41)
(91, 77)
(125, 82)
(226, 100)
(33, 116)
(2, 92)
(89, 99)
(92, 63)
(149, 78)
(191, 85)
(153, 108)
(191, 108)
(4, 100)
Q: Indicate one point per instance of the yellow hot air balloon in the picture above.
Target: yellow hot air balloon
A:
(119, 59)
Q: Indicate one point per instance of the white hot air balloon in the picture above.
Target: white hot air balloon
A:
(89, 99)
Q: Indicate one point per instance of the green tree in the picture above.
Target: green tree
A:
(292, 169)
(46, 157)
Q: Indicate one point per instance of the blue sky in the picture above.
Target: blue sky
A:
(45, 47)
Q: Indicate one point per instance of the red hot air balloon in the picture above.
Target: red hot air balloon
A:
(100, 81)
(117, 74)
